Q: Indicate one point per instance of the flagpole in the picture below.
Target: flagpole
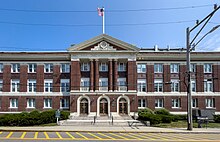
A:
(103, 22)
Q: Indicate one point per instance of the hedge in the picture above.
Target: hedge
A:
(30, 119)
(217, 118)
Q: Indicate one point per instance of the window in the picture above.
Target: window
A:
(141, 85)
(103, 84)
(64, 103)
(159, 103)
(85, 67)
(48, 85)
(32, 85)
(122, 85)
(1, 67)
(210, 103)
(121, 66)
(1, 85)
(207, 86)
(30, 103)
(195, 103)
(15, 85)
(158, 85)
(193, 67)
(158, 68)
(174, 68)
(65, 85)
(85, 83)
(103, 67)
(32, 68)
(207, 68)
(176, 103)
(142, 103)
(193, 85)
(14, 103)
(48, 68)
(141, 68)
(175, 86)
(65, 68)
(47, 103)
(15, 68)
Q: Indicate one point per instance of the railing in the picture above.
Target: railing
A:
(84, 88)
(122, 88)
(110, 118)
(94, 120)
(103, 88)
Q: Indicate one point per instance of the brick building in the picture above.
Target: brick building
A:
(105, 75)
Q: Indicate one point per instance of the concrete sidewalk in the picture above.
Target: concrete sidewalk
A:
(110, 129)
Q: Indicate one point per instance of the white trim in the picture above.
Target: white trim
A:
(128, 101)
(34, 94)
(78, 104)
(98, 103)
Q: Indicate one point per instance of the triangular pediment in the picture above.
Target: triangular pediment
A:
(103, 42)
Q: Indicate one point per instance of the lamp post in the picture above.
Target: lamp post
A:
(189, 47)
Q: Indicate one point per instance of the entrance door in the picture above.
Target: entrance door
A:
(103, 107)
(84, 107)
(123, 107)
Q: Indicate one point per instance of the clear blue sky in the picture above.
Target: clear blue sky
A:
(53, 25)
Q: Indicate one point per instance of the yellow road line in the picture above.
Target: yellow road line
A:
(132, 136)
(82, 135)
(106, 136)
(70, 135)
(58, 134)
(9, 135)
(149, 136)
(95, 136)
(23, 135)
(46, 135)
(35, 135)
(0, 132)
(119, 136)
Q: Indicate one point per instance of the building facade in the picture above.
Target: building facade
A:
(104, 76)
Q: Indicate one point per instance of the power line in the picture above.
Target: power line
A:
(89, 11)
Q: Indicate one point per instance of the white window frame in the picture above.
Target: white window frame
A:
(158, 68)
(208, 86)
(15, 68)
(103, 67)
(64, 85)
(174, 68)
(192, 67)
(65, 68)
(159, 103)
(48, 85)
(175, 85)
(122, 84)
(85, 67)
(32, 68)
(64, 103)
(158, 85)
(207, 68)
(48, 68)
(103, 84)
(13, 102)
(141, 85)
(122, 66)
(141, 68)
(193, 84)
(195, 103)
(176, 103)
(47, 103)
(31, 103)
(1, 85)
(32, 85)
(142, 103)
(210, 103)
(15, 85)
(85, 83)
(1, 67)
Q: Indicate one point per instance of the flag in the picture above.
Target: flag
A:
(100, 11)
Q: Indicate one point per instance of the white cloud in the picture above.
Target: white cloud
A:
(210, 43)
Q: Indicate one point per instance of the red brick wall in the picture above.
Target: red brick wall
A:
(216, 78)
(166, 78)
(75, 75)
(183, 78)
(6, 78)
(56, 78)
(150, 78)
(132, 75)
(199, 78)
(40, 78)
(23, 78)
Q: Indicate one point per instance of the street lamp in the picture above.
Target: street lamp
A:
(189, 47)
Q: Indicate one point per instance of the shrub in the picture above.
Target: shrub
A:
(64, 115)
(166, 118)
(217, 118)
(162, 111)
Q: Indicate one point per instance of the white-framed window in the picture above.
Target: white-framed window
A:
(193, 85)
(15, 85)
(47, 103)
(158, 85)
(32, 68)
(174, 68)
(122, 84)
(64, 103)
(195, 103)
(122, 66)
(48, 85)
(1, 67)
(103, 84)
(207, 68)
(1, 85)
(176, 103)
(141, 85)
(13, 103)
(85, 83)
(15, 68)
(103, 67)
(65, 85)
(159, 103)
(142, 103)
(208, 86)
(48, 68)
(158, 68)
(32, 85)
(31, 103)
(85, 67)
(192, 67)
(174, 85)
(141, 68)
(65, 68)
(210, 103)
